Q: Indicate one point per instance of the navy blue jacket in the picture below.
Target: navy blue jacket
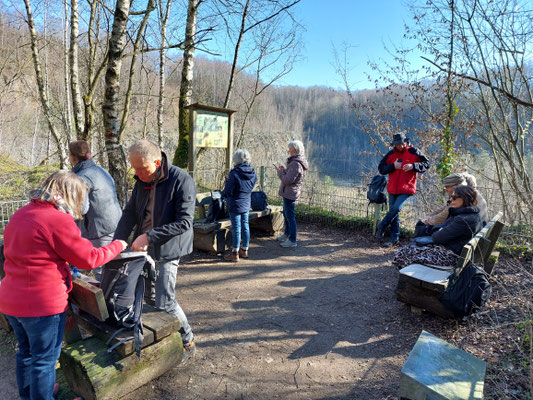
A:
(461, 225)
(175, 199)
(238, 188)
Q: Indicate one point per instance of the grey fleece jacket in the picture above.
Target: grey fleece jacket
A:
(292, 177)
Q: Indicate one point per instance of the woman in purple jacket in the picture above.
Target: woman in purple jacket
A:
(237, 191)
(291, 178)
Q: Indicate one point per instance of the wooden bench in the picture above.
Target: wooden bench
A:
(215, 237)
(422, 285)
(95, 373)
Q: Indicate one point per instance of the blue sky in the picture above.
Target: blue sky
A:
(363, 24)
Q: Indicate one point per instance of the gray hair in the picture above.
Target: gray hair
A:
(241, 156)
(298, 146)
(146, 150)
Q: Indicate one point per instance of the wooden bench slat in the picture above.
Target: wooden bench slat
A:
(88, 298)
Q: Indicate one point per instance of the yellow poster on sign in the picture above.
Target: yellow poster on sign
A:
(211, 129)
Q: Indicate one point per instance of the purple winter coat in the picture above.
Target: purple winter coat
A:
(292, 178)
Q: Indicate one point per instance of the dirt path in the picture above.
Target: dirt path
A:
(317, 322)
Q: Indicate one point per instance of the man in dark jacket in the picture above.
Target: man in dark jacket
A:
(161, 209)
(402, 164)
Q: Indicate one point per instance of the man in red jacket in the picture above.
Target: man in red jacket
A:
(402, 164)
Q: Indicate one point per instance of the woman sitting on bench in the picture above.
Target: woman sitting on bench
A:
(444, 246)
(426, 226)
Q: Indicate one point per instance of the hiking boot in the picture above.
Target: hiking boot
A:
(379, 232)
(282, 238)
(189, 350)
(243, 253)
(288, 243)
(232, 256)
(391, 243)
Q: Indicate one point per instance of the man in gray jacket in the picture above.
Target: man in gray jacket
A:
(101, 210)
(160, 212)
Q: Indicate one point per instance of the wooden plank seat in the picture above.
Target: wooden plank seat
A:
(215, 236)
(422, 285)
(95, 373)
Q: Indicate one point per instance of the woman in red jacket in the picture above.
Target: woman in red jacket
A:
(40, 241)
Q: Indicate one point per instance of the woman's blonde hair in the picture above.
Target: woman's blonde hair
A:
(65, 186)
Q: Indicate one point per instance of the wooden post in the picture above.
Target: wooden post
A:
(262, 177)
(229, 151)
(377, 213)
(192, 143)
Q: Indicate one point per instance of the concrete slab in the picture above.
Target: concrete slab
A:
(437, 370)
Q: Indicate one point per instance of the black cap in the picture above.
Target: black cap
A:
(398, 138)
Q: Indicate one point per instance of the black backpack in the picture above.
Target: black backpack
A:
(123, 282)
(217, 208)
(467, 293)
(258, 201)
(376, 189)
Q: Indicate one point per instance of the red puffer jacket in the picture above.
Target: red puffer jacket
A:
(39, 243)
(400, 181)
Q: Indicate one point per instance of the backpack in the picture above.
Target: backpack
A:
(217, 207)
(123, 282)
(376, 189)
(258, 201)
(468, 292)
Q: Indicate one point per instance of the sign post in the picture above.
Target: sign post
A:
(209, 127)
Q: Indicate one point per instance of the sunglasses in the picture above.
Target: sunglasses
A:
(454, 197)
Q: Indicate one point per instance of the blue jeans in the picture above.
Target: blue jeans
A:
(39, 340)
(396, 202)
(165, 296)
(239, 223)
(289, 216)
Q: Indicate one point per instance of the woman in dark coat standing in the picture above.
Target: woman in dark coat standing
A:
(237, 191)
(462, 224)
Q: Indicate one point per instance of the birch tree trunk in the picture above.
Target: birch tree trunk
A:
(42, 88)
(77, 104)
(140, 34)
(115, 152)
(68, 113)
(163, 17)
(181, 155)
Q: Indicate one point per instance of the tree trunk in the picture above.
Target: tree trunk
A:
(68, 113)
(74, 72)
(236, 54)
(115, 152)
(163, 17)
(42, 88)
(140, 34)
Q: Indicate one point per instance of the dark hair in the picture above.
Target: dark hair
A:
(467, 193)
(80, 149)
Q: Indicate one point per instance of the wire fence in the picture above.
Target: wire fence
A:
(344, 195)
